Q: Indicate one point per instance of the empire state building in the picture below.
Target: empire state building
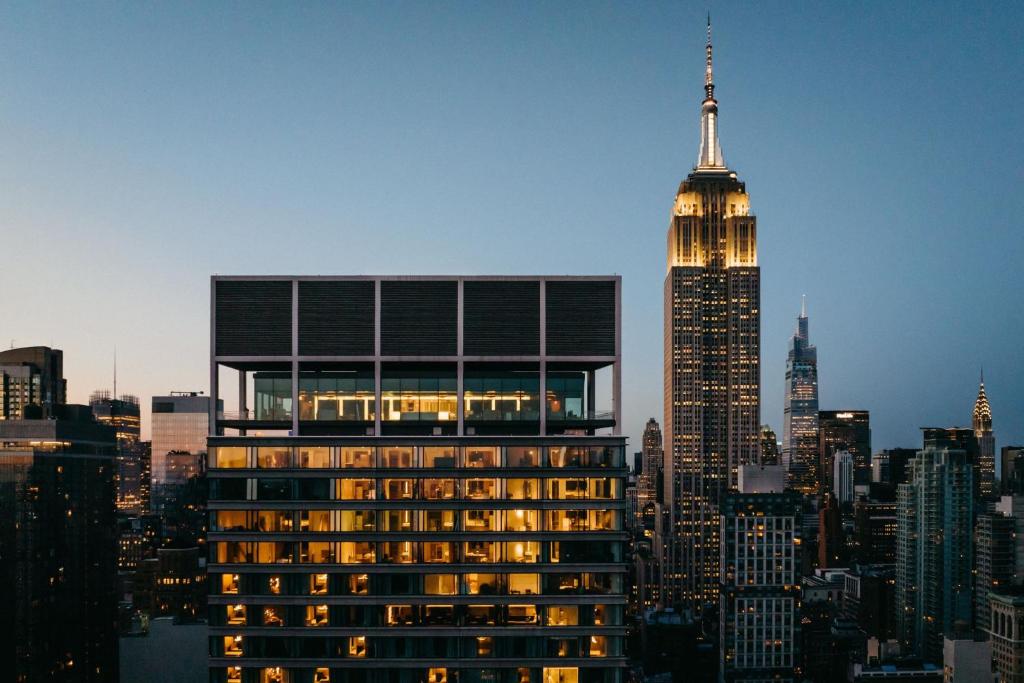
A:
(712, 361)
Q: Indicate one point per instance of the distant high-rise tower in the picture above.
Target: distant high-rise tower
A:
(712, 360)
(800, 412)
(32, 382)
(842, 477)
(769, 446)
(982, 423)
(934, 549)
(653, 455)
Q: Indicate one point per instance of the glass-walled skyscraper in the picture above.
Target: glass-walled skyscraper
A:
(800, 413)
(430, 486)
(712, 352)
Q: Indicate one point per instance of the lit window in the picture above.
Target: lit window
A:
(273, 615)
(482, 584)
(561, 674)
(522, 551)
(322, 675)
(314, 457)
(229, 584)
(357, 552)
(521, 520)
(316, 615)
(482, 551)
(523, 584)
(481, 489)
(522, 614)
(356, 457)
(440, 584)
(356, 489)
(563, 615)
(438, 489)
(398, 489)
(522, 456)
(357, 646)
(481, 456)
(273, 457)
(234, 674)
(398, 552)
(359, 584)
(481, 520)
(232, 646)
(437, 675)
(439, 457)
(598, 646)
(318, 584)
(398, 615)
(229, 457)
(522, 489)
(397, 457)
(439, 520)
(235, 614)
(437, 551)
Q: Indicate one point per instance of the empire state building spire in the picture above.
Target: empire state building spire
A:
(710, 151)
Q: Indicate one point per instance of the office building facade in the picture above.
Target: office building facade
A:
(934, 550)
(850, 431)
(800, 454)
(995, 561)
(31, 382)
(58, 549)
(711, 361)
(842, 476)
(124, 415)
(760, 580)
(433, 494)
(1006, 629)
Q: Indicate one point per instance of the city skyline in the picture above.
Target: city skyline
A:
(142, 186)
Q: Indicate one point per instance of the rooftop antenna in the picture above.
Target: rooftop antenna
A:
(115, 372)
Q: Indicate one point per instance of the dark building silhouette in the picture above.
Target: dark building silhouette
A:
(831, 539)
(845, 430)
(874, 526)
(994, 560)
(58, 548)
(890, 466)
(769, 446)
(435, 491)
(869, 596)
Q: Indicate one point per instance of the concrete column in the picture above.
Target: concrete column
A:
(461, 368)
(376, 362)
(243, 408)
(295, 357)
(543, 359)
(214, 389)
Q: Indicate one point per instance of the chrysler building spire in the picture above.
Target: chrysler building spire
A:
(710, 151)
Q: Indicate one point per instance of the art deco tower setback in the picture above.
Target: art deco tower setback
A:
(981, 422)
(712, 359)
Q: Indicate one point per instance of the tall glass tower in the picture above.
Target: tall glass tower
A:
(712, 360)
(800, 412)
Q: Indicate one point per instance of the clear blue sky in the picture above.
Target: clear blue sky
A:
(148, 145)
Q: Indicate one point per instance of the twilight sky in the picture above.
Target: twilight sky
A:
(146, 146)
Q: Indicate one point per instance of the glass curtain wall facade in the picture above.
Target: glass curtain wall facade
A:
(800, 414)
(458, 532)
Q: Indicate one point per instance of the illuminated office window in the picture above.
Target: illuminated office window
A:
(398, 489)
(232, 520)
(567, 520)
(322, 675)
(481, 615)
(357, 552)
(524, 584)
(274, 585)
(229, 584)
(438, 489)
(439, 520)
(317, 552)
(234, 674)
(522, 456)
(567, 489)
(398, 552)
(274, 552)
(314, 457)
(437, 675)
(232, 646)
(481, 489)
(398, 520)
(273, 457)
(522, 615)
(482, 584)
(439, 457)
(522, 489)
(275, 674)
(359, 520)
(481, 551)
(437, 551)
(598, 646)
(357, 646)
(397, 456)
(273, 615)
(562, 615)
(274, 520)
(235, 614)
(233, 457)
(356, 489)
(359, 584)
(484, 646)
(399, 615)
(316, 615)
(521, 520)
(439, 615)
(318, 584)
(315, 520)
(440, 584)
(522, 551)
(480, 456)
(356, 457)
(481, 520)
